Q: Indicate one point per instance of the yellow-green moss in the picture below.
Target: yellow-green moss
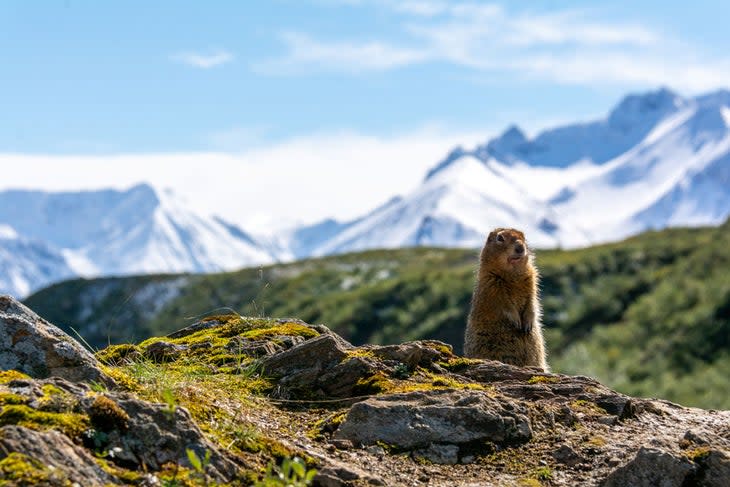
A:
(21, 470)
(596, 441)
(543, 379)
(457, 364)
(121, 377)
(116, 354)
(56, 400)
(71, 424)
(9, 375)
(359, 352)
(128, 476)
(11, 398)
(698, 453)
(528, 482)
(543, 473)
(374, 384)
(106, 415)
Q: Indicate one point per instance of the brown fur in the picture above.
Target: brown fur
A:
(504, 321)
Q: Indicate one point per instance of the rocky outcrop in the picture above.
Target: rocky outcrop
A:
(263, 390)
(67, 425)
(30, 344)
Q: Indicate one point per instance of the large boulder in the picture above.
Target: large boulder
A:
(30, 344)
(419, 419)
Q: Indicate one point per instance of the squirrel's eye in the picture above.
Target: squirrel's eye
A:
(500, 238)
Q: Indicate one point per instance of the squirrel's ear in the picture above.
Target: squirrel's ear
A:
(492, 236)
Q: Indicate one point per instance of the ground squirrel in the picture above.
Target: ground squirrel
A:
(504, 321)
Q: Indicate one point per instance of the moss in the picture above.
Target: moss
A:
(458, 364)
(596, 441)
(442, 348)
(56, 400)
(291, 329)
(10, 375)
(127, 476)
(359, 352)
(72, 425)
(10, 398)
(698, 454)
(116, 354)
(528, 482)
(374, 384)
(21, 470)
(106, 415)
(122, 378)
(543, 379)
(543, 473)
(327, 425)
(173, 474)
(587, 407)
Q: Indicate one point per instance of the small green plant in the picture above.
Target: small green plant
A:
(199, 464)
(544, 473)
(292, 472)
(401, 371)
(170, 401)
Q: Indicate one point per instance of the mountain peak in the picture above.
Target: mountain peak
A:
(455, 153)
(636, 108)
(504, 146)
(714, 98)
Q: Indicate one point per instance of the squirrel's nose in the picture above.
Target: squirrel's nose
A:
(519, 248)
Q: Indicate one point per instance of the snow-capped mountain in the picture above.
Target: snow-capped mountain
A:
(656, 160)
(26, 264)
(109, 232)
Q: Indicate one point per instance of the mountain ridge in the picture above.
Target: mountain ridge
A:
(116, 232)
(655, 160)
(580, 184)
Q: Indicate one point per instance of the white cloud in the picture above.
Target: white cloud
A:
(203, 60)
(304, 52)
(567, 47)
(302, 179)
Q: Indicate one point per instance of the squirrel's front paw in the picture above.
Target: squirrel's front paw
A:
(526, 325)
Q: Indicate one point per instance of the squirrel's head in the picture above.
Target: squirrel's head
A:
(507, 249)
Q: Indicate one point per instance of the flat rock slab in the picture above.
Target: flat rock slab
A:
(418, 419)
(32, 345)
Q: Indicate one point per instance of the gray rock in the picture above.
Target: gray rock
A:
(305, 360)
(494, 371)
(194, 328)
(154, 436)
(652, 468)
(617, 404)
(567, 456)
(412, 354)
(68, 462)
(339, 474)
(714, 469)
(252, 348)
(441, 454)
(164, 351)
(417, 419)
(31, 345)
(143, 435)
(317, 366)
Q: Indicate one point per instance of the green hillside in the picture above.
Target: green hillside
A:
(648, 316)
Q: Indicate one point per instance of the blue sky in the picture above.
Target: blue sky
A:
(348, 81)
(89, 76)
